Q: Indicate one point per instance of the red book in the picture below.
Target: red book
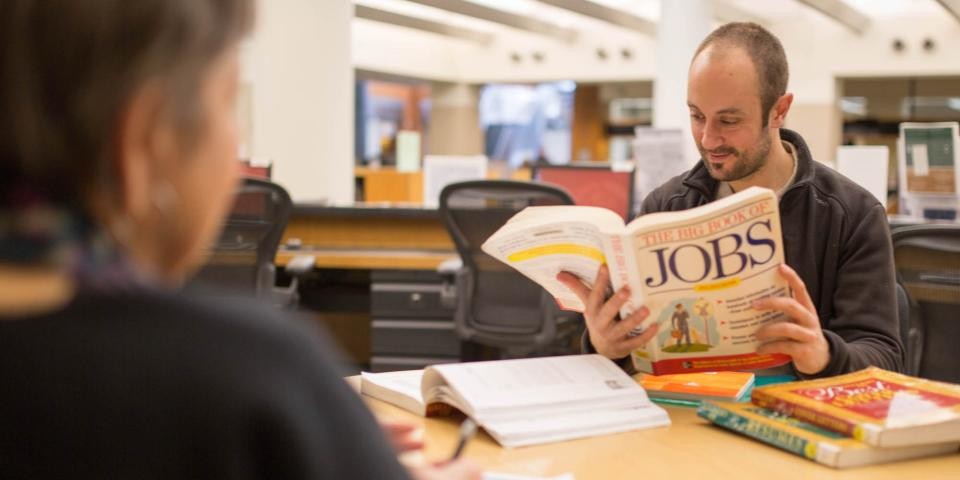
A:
(875, 406)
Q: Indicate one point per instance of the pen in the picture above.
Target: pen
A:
(468, 428)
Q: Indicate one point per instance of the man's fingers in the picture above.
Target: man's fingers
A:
(797, 313)
(785, 331)
(629, 324)
(621, 346)
(599, 293)
(573, 282)
(799, 288)
(611, 308)
(786, 347)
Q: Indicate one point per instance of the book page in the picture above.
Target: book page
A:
(700, 269)
(514, 388)
(540, 242)
(398, 388)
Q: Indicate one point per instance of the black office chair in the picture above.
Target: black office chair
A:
(497, 306)
(928, 265)
(903, 319)
(242, 262)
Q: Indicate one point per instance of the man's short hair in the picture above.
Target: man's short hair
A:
(764, 50)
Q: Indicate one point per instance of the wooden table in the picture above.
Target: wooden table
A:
(689, 448)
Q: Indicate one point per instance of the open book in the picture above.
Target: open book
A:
(527, 401)
(697, 271)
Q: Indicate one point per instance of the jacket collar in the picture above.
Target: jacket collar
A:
(698, 178)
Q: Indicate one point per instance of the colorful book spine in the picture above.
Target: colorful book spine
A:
(763, 431)
(761, 398)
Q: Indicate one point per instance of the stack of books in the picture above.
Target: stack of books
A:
(861, 418)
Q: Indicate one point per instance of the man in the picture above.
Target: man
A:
(837, 242)
(681, 324)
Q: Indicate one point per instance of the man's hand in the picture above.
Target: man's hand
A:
(801, 336)
(608, 334)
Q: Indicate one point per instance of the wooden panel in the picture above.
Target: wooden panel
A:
(370, 232)
(392, 186)
(370, 259)
(587, 130)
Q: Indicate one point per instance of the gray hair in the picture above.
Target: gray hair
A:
(68, 69)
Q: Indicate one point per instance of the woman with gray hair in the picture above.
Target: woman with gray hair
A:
(117, 164)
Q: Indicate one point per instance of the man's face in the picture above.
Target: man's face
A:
(725, 114)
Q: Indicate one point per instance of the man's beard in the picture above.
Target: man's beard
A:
(747, 162)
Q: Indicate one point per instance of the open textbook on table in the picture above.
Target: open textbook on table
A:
(527, 401)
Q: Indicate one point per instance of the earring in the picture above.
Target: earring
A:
(163, 197)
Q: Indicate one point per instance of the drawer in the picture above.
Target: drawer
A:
(391, 363)
(406, 300)
(414, 337)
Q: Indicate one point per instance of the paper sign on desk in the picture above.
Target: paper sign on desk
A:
(408, 151)
(442, 170)
(868, 166)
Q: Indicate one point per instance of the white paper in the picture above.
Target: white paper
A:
(868, 166)
(921, 165)
(440, 171)
(408, 151)
(659, 156)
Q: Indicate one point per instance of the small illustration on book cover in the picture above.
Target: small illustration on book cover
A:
(687, 325)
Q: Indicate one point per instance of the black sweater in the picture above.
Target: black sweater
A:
(152, 385)
(836, 237)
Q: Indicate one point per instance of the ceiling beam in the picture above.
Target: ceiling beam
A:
(610, 15)
(840, 12)
(952, 6)
(725, 12)
(521, 22)
(384, 16)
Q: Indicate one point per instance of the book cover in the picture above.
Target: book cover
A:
(730, 386)
(697, 271)
(807, 440)
(873, 405)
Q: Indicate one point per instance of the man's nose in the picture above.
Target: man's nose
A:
(710, 138)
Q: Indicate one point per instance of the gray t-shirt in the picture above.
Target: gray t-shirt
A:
(725, 190)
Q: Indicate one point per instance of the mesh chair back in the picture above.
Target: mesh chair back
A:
(928, 265)
(243, 256)
(497, 305)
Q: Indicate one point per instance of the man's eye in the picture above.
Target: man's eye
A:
(729, 122)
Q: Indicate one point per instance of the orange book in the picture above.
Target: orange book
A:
(875, 406)
(729, 386)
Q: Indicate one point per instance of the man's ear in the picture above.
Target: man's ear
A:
(778, 114)
(138, 126)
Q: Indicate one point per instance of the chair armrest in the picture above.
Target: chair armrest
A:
(448, 270)
(300, 265)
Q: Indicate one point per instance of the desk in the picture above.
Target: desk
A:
(376, 286)
(368, 236)
(690, 448)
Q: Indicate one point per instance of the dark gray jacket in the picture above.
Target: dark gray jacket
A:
(837, 239)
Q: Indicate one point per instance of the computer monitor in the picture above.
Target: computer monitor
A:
(593, 185)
